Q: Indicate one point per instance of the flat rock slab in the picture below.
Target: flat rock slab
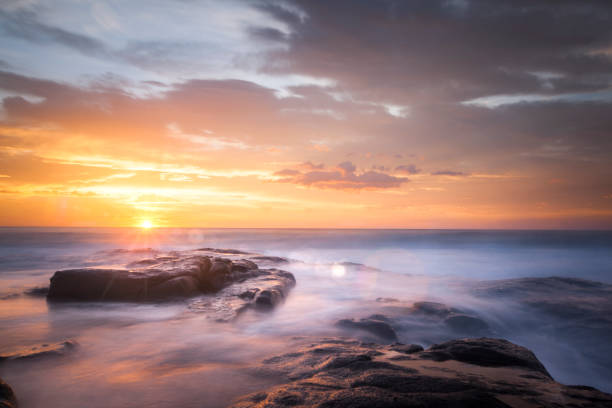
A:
(41, 351)
(233, 283)
(480, 372)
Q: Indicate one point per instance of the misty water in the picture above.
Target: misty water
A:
(166, 355)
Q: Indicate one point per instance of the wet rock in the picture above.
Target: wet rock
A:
(41, 351)
(406, 348)
(486, 352)
(143, 263)
(376, 325)
(224, 251)
(433, 309)
(387, 300)
(7, 396)
(38, 291)
(270, 259)
(340, 373)
(179, 287)
(183, 275)
(257, 289)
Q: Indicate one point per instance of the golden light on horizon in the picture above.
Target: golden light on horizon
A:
(146, 224)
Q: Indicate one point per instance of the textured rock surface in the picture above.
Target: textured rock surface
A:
(40, 351)
(179, 275)
(471, 373)
(375, 324)
(222, 287)
(395, 317)
(7, 397)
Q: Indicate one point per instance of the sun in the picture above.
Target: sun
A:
(146, 224)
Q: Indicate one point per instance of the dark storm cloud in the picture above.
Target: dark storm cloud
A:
(427, 50)
(25, 25)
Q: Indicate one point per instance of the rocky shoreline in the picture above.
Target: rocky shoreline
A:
(365, 366)
(481, 372)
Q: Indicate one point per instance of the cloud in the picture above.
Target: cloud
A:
(407, 169)
(448, 52)
(25, 25)
(311, 166)
(343, 177)
(449, 173)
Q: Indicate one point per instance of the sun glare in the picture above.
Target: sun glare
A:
(146, 224)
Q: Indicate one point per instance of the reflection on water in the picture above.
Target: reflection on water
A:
(166, 356)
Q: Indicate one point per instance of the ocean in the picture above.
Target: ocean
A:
(165, 355)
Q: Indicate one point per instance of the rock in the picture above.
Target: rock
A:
(432, 309)
(374, 325)
(387, 300)
(257, 289)
(143, 262)
(7, 396)
(342, 373)
(406, 348)
(486, 352)
(243, 265)
(179, 287)
(41, 351)
(270, 259)
(182, 275)
(224, 251)
(38, 291)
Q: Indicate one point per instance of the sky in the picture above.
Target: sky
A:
(306, 114)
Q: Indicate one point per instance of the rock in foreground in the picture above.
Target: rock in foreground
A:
(7, 397)
(179, 275)
(480, 372)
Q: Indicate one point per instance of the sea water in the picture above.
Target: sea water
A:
(162, 355)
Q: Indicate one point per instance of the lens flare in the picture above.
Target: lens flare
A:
(338, 271)
(146, 224)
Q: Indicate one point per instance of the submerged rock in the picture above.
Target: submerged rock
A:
(341, 373)
(376, 325)
(40, 351)
(37, 291)
(395, 318)
(7, 396)
(183, 275)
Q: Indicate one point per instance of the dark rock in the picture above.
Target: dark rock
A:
(179, 287)
(224, 251)
(143, 262)
(259, 289)
(486, 352)
(38, 291)
(183, 275)
(386, 300)
(339, 373)
(378, 327)
(433, 309)
(243, 265)
(406, 348)
(271, 259)
(7, 396)
(41, 351)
